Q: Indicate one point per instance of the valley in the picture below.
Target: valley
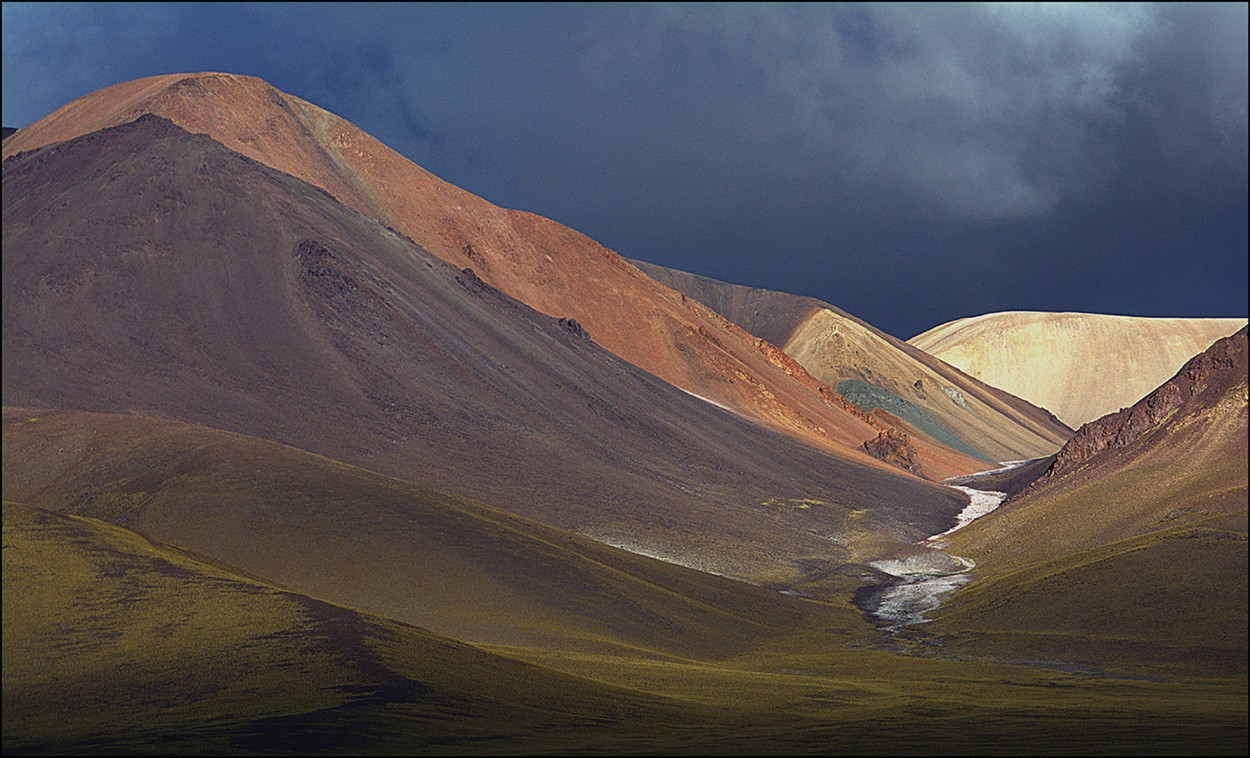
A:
(308, 451)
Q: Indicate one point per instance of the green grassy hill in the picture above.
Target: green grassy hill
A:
(1134, 558)
(115, 643)
(376, 543)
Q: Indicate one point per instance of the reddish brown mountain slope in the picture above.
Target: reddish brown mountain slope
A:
(1179, 454)
(550, 267)
(1199, 388)
(146, 269)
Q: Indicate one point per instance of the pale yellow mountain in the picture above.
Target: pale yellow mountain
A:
(1079, 366)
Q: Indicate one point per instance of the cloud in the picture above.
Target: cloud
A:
(945, 103)
(860, 153)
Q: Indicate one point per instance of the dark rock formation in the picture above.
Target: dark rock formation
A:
(577, 329)
(895, 448)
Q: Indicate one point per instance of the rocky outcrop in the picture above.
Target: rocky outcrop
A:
(1202, 381)
(955, 395)
(577, 330)
(895, 448)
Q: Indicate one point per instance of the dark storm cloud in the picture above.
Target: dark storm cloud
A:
(912, 164)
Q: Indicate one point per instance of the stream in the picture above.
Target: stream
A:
(921, 581)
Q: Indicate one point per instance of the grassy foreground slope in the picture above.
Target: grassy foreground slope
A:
(1132, 555)
(383, 545)
(115, 643)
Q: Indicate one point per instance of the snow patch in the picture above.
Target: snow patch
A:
(980, 503)
(668, 556)
(706, 400)
(910, 601)
(923, 580)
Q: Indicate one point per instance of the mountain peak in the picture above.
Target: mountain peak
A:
(553, 269)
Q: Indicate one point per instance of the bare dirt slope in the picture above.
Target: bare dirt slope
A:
(1132, 549)
(149, 270)
(1079, 366)
(550, 267)
(939, 401)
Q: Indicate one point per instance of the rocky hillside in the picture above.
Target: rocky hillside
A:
(549, 267)
(1132, 551)
(1199, 384)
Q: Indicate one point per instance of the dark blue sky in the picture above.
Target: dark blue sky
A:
(910, 164)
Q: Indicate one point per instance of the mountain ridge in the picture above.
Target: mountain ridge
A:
(844, 352)
(268, 298)
(554, 269)
(1130, 551)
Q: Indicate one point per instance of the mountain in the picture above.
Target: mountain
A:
(1130, 552)
(1079, 366)
(539, 262)
(880, 372)
(148, 270)
(280, 478)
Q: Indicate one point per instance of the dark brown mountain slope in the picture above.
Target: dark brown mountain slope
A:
(150, 270)
(552, 268)
(877, 370)
(1203, 384)
(1132, 552)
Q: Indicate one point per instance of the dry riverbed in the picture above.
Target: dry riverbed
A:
(919, 582)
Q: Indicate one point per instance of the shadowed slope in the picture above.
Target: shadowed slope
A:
(149, 269)
(376, 543)
(930, 396)
(116, 644)
(1079, 366)
(552, 268)
(1131, 553)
